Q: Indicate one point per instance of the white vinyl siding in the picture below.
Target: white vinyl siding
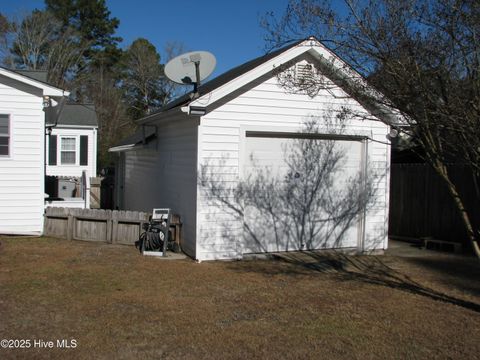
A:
(75, 169)
(163, 175)
(266, 106)
(22, 171)
(4, 135)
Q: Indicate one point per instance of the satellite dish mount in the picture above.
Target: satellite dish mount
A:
(196, 84)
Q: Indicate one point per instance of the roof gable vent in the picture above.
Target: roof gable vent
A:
(304, 72)
(301, 78)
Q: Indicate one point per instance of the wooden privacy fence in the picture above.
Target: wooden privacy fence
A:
(101, 192)
(109, 226)
(95, 183)
(421, 206)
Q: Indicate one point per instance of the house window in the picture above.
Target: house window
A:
(68, 151)
(4, 135)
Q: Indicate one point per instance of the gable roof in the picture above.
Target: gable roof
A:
(40, 75)
(78, 115)
(338, 70)
(71, 114)
(342, 73)
(47, 89)
(228, 76)
(330, 64)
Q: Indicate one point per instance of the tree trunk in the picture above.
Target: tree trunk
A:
(443, 172)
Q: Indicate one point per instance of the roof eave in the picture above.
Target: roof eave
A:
(388, 115)
(256, 72)
(159, 115)
(48, 90)
(122, 148)
(71, 126)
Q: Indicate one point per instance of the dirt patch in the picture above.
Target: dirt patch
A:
(117, 304)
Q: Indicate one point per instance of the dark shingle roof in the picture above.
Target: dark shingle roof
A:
(228, 76)
(36, 75)
(211, 85)
(78, 114)
(40, 75)
(137, 137)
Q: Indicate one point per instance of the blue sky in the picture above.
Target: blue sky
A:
(228, 29)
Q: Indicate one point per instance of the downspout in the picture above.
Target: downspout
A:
(365, 174)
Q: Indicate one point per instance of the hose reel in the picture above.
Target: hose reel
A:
(154, 240)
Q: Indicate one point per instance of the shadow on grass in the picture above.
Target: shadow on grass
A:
(367, 269)
(462, 272)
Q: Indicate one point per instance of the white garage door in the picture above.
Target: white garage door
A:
(301, 192)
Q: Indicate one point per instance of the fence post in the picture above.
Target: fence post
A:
(108, 215)
(70, 225)
(425, 198)
(114, 224)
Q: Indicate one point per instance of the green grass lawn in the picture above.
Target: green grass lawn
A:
(117, 304)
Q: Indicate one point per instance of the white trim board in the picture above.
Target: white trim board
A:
(47, 89)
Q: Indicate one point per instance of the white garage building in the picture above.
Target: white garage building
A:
(225, 160)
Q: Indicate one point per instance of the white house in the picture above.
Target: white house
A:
(71, 148)
(22, 150)
(72, 145)
(240, 129)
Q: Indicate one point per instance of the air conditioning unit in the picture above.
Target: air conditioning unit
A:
(66, 188)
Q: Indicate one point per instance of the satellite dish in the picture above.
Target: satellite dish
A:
(191, 68)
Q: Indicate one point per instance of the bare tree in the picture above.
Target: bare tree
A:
(113, 120)
(424, 58)
(311, 205)
(38, 42)
(172, 90)
(142, 78)
(33, 35)
(6, 35)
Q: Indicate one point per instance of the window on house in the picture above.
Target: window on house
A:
(68, 151)
(4, 135)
